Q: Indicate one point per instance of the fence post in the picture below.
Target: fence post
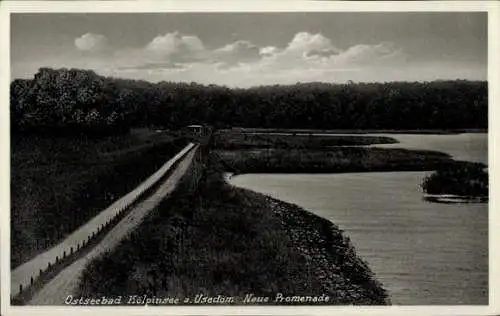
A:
(64, 254)
(41, 271)
(20, 288)
(31, 280)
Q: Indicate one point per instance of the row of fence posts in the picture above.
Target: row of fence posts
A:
(79, 246)
(94, 233)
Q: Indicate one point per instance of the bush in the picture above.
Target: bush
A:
(461, 178)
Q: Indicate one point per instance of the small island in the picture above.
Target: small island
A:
(459, 182)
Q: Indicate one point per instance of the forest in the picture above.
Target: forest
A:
(81, 101)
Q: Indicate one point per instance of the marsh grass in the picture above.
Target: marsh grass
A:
(331, 160)
(235, 140)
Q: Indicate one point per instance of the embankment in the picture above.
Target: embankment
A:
(214, 239)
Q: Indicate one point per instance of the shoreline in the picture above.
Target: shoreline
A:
(320, 239)
(263, 246)
(454, 198)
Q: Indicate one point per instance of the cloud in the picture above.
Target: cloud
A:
(302, 47)
(91, 42)
(237, 52)
(176, 47)
(179, 48)
(268, 51)
(304, 51)
(306, 57)
(153, 65)
(304, 43)
(315, 51)
(373, 55)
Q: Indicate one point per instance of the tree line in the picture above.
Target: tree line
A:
(81, 101)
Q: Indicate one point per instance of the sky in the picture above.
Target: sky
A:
(249, 49)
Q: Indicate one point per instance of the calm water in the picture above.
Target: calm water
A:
(424, 253)
(467, 146)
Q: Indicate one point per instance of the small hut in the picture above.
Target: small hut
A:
(194, 130)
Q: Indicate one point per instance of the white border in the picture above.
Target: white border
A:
(492, 7)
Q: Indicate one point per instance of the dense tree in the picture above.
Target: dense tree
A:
(81, 100)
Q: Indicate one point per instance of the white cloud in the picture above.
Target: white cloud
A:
(187, 49)
(306, 43)
(305, 51)
(373, 55)
(176, 47)
(303, 47)
(268, 51)
(239, 51)
(315, 51)
(91, 42)
(306, 57)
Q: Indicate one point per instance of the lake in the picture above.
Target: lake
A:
(424, 253)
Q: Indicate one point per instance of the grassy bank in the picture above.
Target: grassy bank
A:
(235, 140)
(331, 160)
(214, 239)
(58, 183)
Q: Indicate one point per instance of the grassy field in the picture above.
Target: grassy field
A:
(58, 183)
(232, 141)
(214, 239)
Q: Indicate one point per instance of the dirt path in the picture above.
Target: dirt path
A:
(63, 284)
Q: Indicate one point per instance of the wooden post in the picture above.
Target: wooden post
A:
(41, 271)
(20, 288)
(31, 280)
